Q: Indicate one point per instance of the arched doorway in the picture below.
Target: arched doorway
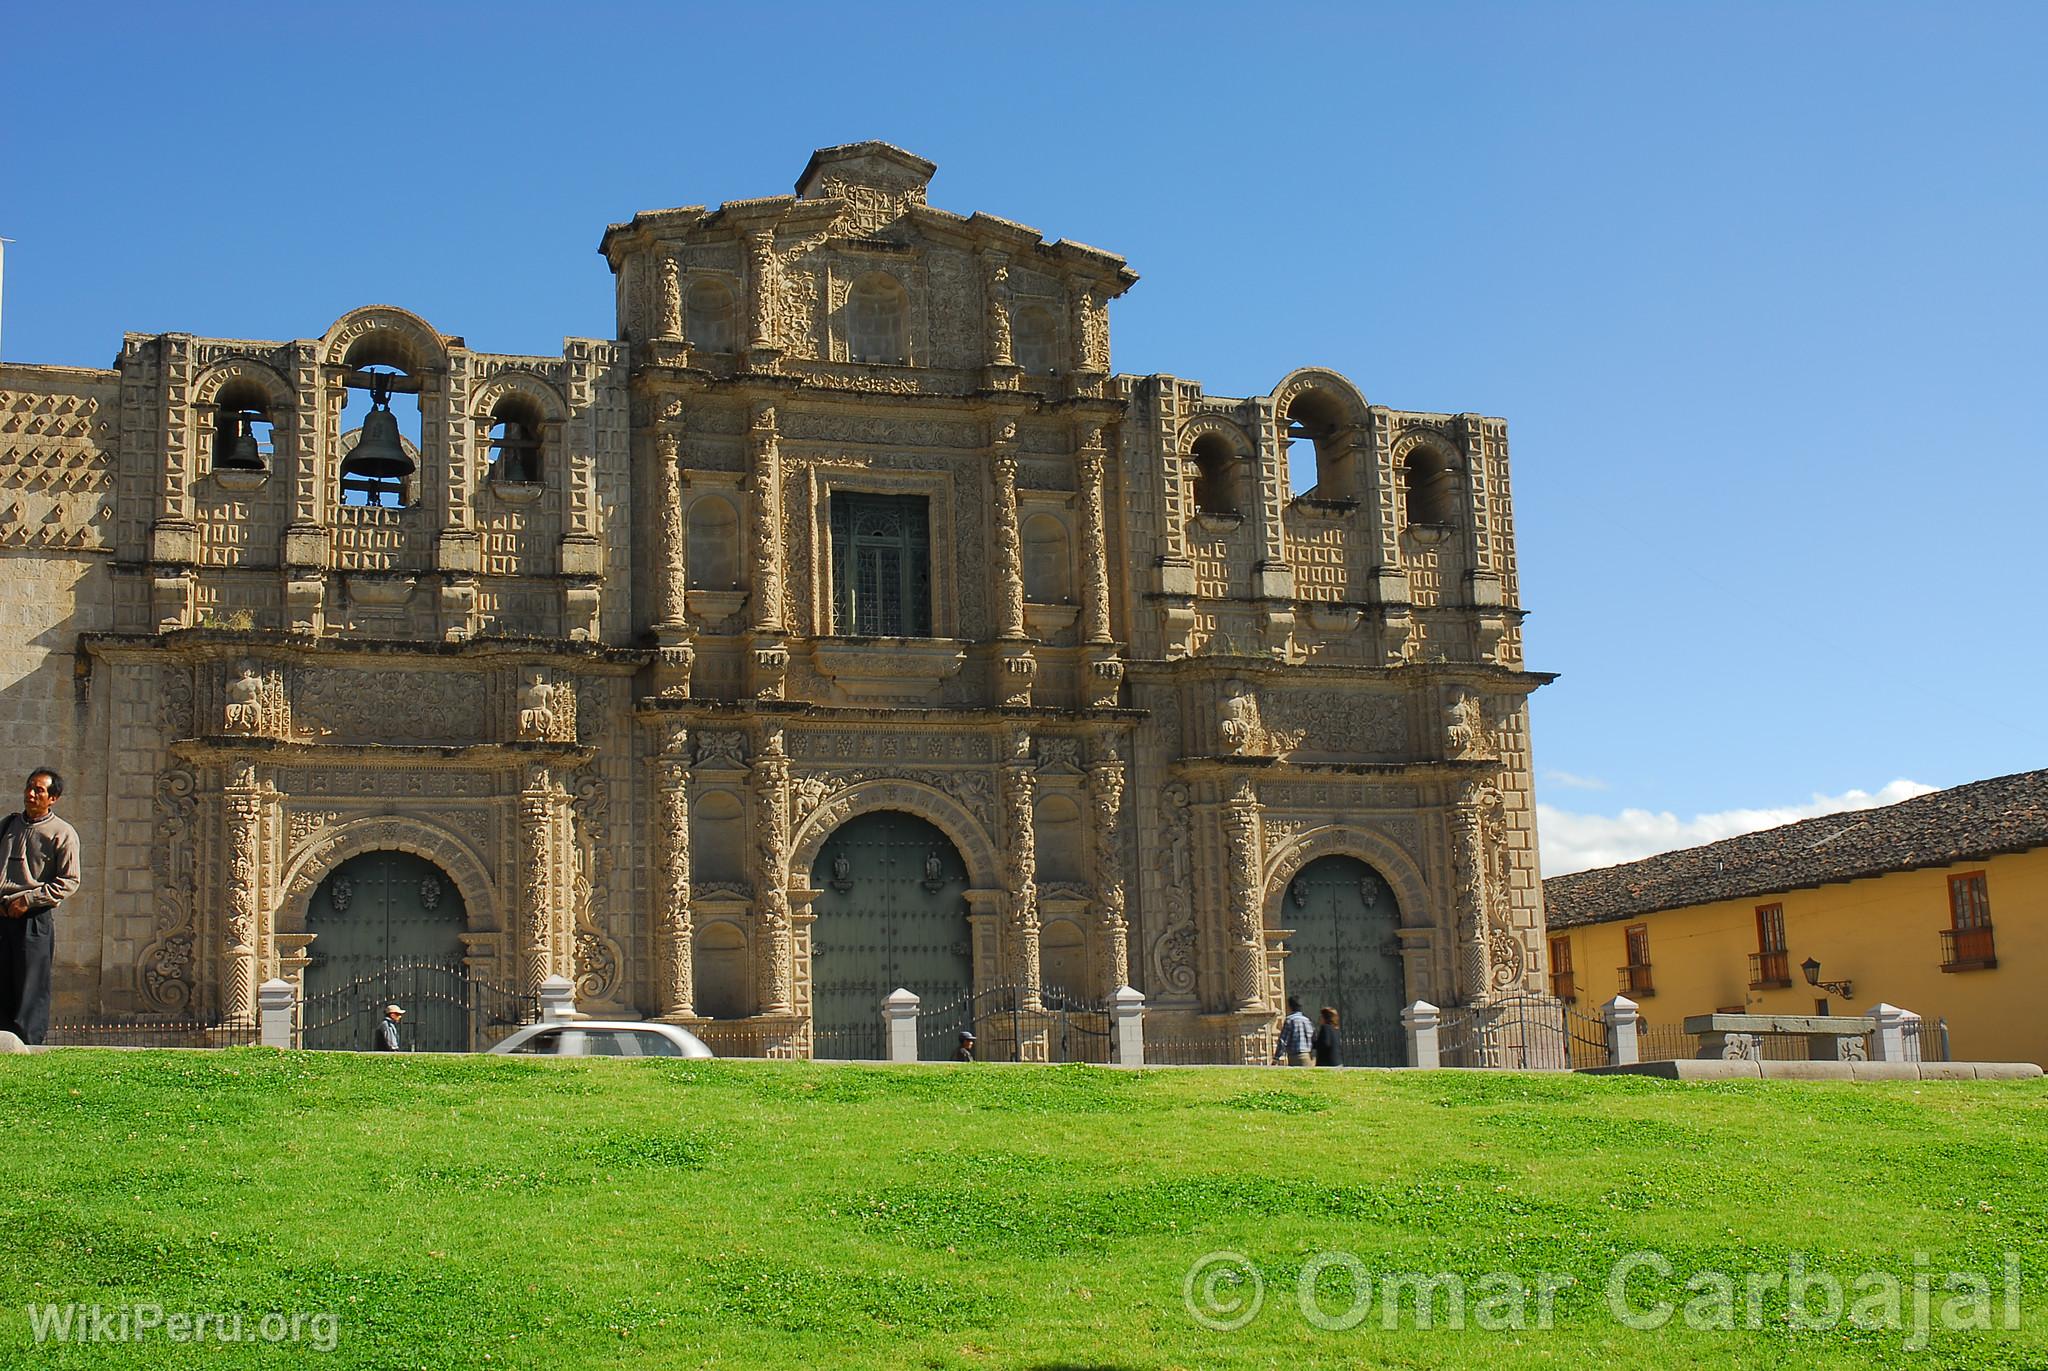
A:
(890, 914)
(1344, 952)
(388, 930)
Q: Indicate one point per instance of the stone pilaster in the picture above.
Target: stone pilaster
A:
(669, 325)
(1106, 797)
(674, 970)
(996, 289)
(243, 812)
(537, 902)
(1247, 968)
(1009, 559)
(770, 661)
(770, 784)
(1020, 866)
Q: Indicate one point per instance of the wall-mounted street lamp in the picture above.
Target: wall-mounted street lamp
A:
(1846, 989)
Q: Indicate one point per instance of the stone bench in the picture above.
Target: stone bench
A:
(1739, 1037)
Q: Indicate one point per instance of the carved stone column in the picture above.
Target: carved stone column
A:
(1094, 539)
(1247, 923)
(675, 989)
(1009, 560)
(761, 285)
(674, 655)
(1002, 363)
(770, 781)
(1468, 852)
(243, 809)
(1106, 794)
(770, 663)
(537, 850)
(1017, 666)
(1020, 865)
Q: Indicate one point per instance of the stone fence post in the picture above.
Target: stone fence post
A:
(1420, 1021)
(1622, 1018)
(899, 1023)
(1890, 1027)
(1127, 1027)
(558, 1000)
(275, 1000)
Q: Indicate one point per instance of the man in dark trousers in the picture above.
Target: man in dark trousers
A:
(38, 869)
(387, 1028)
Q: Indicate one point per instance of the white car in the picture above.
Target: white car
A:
(599, 1038)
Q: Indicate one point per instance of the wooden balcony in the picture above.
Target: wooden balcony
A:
(1635, 981)
(1770, 970)
(1968, 949)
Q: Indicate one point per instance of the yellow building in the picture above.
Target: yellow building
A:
(1938, 905)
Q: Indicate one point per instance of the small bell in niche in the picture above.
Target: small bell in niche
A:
(234, 441)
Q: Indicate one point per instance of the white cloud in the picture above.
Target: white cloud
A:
(1573, 841)
(1565, 780)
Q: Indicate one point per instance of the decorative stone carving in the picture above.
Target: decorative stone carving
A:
(167, 983)
(346, 705)
(670, 324)
(1465, 735)
(1244, 733)
(174, 701)
(537, 905)
(243, 813)
(599, 959)
(1173, 950)
(721, 749)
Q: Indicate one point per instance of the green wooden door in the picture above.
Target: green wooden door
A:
(1344, 953)
(389, 931)
(891, 915)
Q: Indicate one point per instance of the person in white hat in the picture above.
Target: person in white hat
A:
(387, 1028)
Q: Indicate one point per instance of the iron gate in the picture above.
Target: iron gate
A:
(445, 1010)
(1515, 1032)
(1344, 953)
(1075, 1029)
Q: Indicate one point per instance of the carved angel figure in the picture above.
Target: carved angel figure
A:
(1243, 736)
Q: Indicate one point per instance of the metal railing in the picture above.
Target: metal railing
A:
(1968, 949)
(160, 1034)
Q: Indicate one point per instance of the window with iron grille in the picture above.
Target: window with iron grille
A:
(1966, 944)
(1561, 968)
(881, 566)
(1770, 966)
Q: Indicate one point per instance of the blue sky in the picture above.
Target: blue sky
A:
(1759, 288)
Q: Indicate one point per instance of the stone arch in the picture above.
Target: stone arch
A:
(418, 344)
(1302, 380)
(1429, 470)
(1204, 425)
(208, 385)
(1383, 855)
(553, 408)
(934, 806)
(310, 863)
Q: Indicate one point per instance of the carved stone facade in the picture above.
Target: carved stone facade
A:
(850, 515)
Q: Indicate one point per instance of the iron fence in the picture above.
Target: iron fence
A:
(157, 1034)
(1514, 1033)
(849, 1042)
(446, 1010)
(1002, 1021)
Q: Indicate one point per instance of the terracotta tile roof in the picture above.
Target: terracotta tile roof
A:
(1963, 824)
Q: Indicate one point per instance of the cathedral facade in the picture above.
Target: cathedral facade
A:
(845, 622)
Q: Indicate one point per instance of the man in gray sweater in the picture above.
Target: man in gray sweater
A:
(38, 869)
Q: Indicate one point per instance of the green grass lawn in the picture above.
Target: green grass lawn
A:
(464, 1212)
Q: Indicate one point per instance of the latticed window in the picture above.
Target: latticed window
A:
(881, 566)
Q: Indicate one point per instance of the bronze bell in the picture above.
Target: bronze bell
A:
(234, 445)
(378, 454)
